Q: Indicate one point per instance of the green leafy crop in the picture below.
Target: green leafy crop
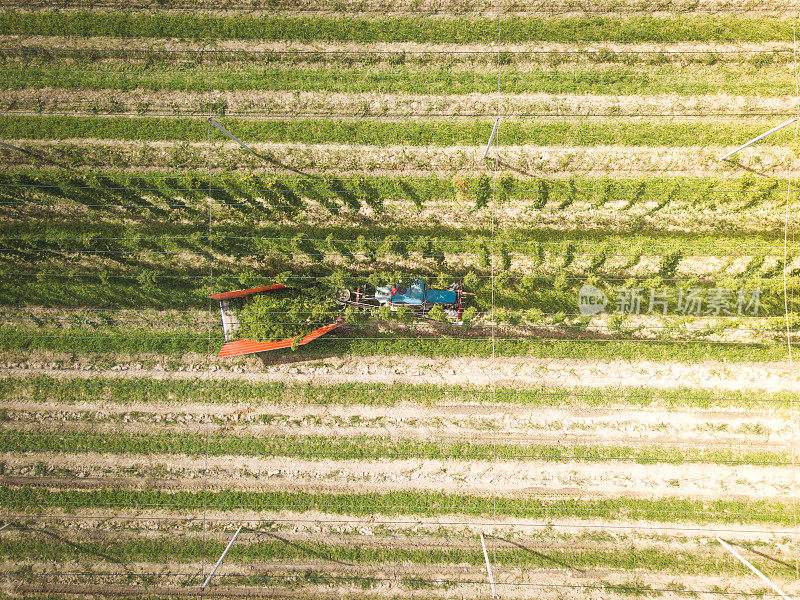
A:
(287, 313)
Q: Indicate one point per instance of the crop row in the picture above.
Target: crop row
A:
(444, 8)
(393, 161)
(149, 195)
(560, 341)
(316, 421)
(399, 81)
(675, 509)
(521, 273)
(526, 301)
(370, 448)
(125, 252)
(396, 29)
(143, 290)
(573, 252)
(317, 105)
(43, 389)
(113, 275)
(120, 256)
(385, 133)
(134, 283)
(130, 272)
(130, 339)
(187, 549)
(553, 337)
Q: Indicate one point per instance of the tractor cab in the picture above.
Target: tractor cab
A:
(417, 293)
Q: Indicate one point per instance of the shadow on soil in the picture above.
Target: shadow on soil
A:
(305, 549)
(537, 554)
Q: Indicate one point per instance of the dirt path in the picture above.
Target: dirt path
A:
(453, 524)
(371, 538)
(505, 478)
(561, 162)
(109, 43)
(460, 371)
(387, 580)
(762, 429)
(311, 104)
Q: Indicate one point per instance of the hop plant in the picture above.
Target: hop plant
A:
(468, 315)
(437, 313)
(483, 191)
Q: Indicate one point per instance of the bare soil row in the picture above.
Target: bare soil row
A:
(461, 371)
(504, 478)
(457, 583)
(315, 104)
(484, 424)
(121, 44)
(221, 523)
(388, 580)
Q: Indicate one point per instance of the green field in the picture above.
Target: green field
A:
(597, 455)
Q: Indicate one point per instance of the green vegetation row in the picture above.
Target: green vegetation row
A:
(662, 510)
(693, 73)
(383, 133)
(186, 549)
(400, 81)
(368, 448)
(129, 340)
(550, 298)
(50, 245)
(559, 343)
(154, 198)
(138, 270)
(143, 288)
(530, 300)
(41, 237)
(396, 29)
(124, 252)
(44, 389)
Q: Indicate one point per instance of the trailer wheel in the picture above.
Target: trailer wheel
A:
(342, 295)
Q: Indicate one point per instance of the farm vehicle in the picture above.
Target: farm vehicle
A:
(283, 316)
